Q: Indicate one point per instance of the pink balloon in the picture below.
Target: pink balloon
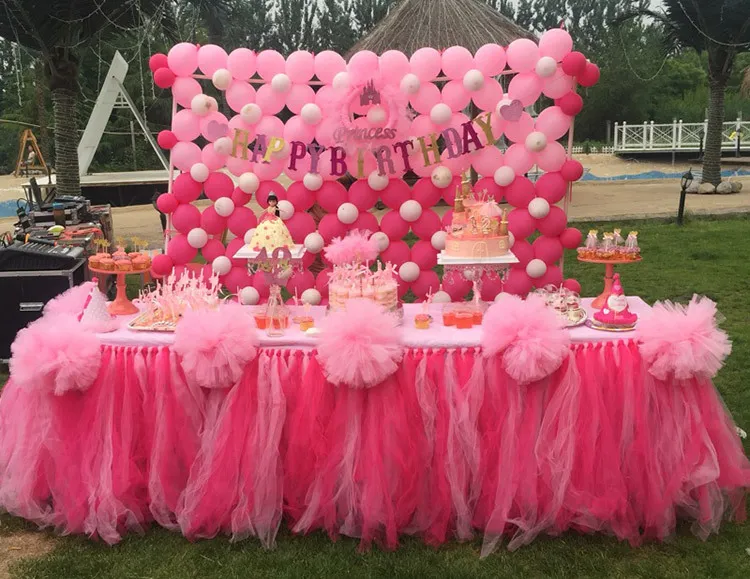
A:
(427, 224)
(269, 64)
(552, 157)
(456, 62)
(298, 97)
(490, 59)
(426, 63)
(449, 193)
(394, 65)
(520, 193)
(493, 189)
(241, 63)
(456, 285)
(518, 158)
(268, 171)
(552, 187)
(157, 61)
(426, 98)
(211, 58)
(308, 259)
(427, 282)
(321, 281)
(572, 285)
(330, 227)
(236, 122)
(266, 188)
(553, 276)
(486, 161)
(179, 249)
(186, 217)
(525, 87)
(447, 217)
(211, 159)
(397, 252)
(237, 166)
(362, 195)
(239, 197)
(213, 249)
(296, 129)
(183, 58)
(395, 194)
(555, 222)
(331, 195)
(328, 64)
(394, 226)
(300, 197)
(161, 265)
(239, 94)
(260, 283)
(186, 125)
(363, 65)
(300, 281)
(571, 170)
(558, 84)
(424, 255)
(185, 155)
(553, 123)
(241, 221)
(214, 126)
(518, 283)
(236, 279)
(487, 97)
(556, 43)
(300, 225)
(270, 127)
(571, 238)
(521, 224)
(548, 249)
(365, 222)
(211, 222)
(300, 66)
(590, 75)
(186, 189)
(167, 203)
(574, 64)
(268, 100)
(455, 95)
(184, 89)
(523, 55)
(164, 78)
(517, 131)
(426, 193)
(233, 247)
(524, 252)
(218, 185)
(166, 139)
(571, 104)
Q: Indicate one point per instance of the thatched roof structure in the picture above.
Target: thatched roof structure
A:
(440, 24)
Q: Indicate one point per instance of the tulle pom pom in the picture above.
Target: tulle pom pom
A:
(358, 246)
(360, 346)
(55, 354)
(683, 342)
(215, 345)
(71, 301)
(529, 334)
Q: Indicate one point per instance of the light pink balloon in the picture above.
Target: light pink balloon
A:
(214, 126)
(487, 97)
(241, 63)
(300, 66)
(426, 98)
(523, 55)
(328, 64)
(324, 132)
(270, 127)
(268, 100)
(269, 64)
(426, 63)
(363, 65)
(490, 59)
(416, 160)
(394, 65)
(211, 58)
(486, 161)
(525, 87)
(496, 126)
(455, 95)
(239, 94)
(457, 165)
(184, 89)
(185, 154)
(183, 58)
(518, 158)
(211, 159)
(556, 43)
(269, 171)
(298, 97)
(552, 157)
(180, 251)
(236, 122)
(186, 125)
(553, 123)
(558, 85)
(456, 62)
(238, 166)
(517, 131)
(422, 126)
(296, 129)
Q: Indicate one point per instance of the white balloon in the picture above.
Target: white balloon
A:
(438, 239)
(199, 105)
(222, 78)
(312, 181)
(249, 182)
(314, 242)
(281, 83)
(199, 172)
(504, 176)
(410, 83)
(410, 210)
(197, 238)
(223, 146)
(347, 213)
(546, 67)
(311, 114)
(222, 265)
(473, 80)
(539, 208)
(251, 113)
(511, 239)
(249, 235)
(213, 105)
(377, 116)
(441, 177)
(249, 296)
(409, 271)
(536, 141)
(377, 182)
(500, 297)
(224, 206)
(341, 81)
(382, 240)
(441, 297)
(286, 209)
(311, 296)
(441, 114)
(536, 268)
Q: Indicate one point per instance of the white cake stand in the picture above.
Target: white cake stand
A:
(473, 268)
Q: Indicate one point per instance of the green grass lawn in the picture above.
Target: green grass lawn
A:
(705, 257)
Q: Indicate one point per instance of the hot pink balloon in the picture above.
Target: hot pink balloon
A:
(183, 58)
(299, 196)
(241, 63)
(157, 61)
(447, 217)
(518, 283)
(394, 226)
(426, 193)
(239, 197)
(362, 195)
(449, 193)
(184, 89)
(571, 238)
(574, 64)
(260, 282)
(491, 286)
(166, 139)
(555, 222)
(486, 161)
(520, 193)
(330, 227)
(328, 64)
(186, 189)
(548, 249)
(213, 249)
(233, 247)
(571, 170)
(166, 203)
(487, 97)
(427, 224)
(493, 189)
(298, 97)
(300, 281)
(239, 94)
(426, 98)
(426, 63)
(558, 84)
(269, 100)
(300, 66)
(525, 87)
(394, 65)
(363, 65)
(455, 95)
(365, 222)
(552, 187)
(424, 255)
(395, 194)
(523, 55)
(321, 281)
(211, 159)
(161, 265)
(211, 58)
(556, 43)
(218, 185)
(571, 104)
(490, 59)
(397, 252)
(179, 249)
(553, 276)
(519, 158)
(552, 157)
(456, 285)
(266, 188)
(164, 78)
(572, 285)
(186, 217)
(211, 222)
(524, 252)
(269, 64)
(186, 125)
(296, 129)
(590, 75)
(521, 223)
(236, 279)
(553, 123)
(517, 131)
(331, 196)
(428, 282)
(456, 62)
(300, 225)
(241, 221)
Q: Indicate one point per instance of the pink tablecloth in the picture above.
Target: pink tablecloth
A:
(447, 447)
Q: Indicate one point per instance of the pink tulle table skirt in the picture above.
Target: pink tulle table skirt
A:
(447, 448)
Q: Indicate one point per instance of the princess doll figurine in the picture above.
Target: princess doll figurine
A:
(271, 231)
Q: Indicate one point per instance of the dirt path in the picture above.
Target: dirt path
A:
(22, 545)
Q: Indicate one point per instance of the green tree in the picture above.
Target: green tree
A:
(293, 25)
(367, 13)
(335, 26)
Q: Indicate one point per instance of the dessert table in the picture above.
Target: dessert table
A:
(447, 447)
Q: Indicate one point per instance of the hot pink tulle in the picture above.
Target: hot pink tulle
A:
(215, 345)
(55, 354)
(357, 246)
(683, 342)
(530, 336)
(360, 346)
(71, 301)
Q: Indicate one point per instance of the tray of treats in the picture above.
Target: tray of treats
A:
(612, 248)
(153, 321)
(120, 262)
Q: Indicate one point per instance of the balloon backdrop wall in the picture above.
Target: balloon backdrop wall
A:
(375, 118)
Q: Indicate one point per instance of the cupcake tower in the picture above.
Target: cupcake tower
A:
(120, 261)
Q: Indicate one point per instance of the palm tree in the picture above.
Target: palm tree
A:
(721, 29)
(57, 30)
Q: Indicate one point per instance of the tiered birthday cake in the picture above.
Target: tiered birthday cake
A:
(479, 227)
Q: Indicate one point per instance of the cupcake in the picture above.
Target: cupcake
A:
(118, 255)
(123, 264)
(141, 262)
(133, 254)
(107, 263)
(94, 261)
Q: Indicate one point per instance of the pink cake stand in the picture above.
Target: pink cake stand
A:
(609, 273)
